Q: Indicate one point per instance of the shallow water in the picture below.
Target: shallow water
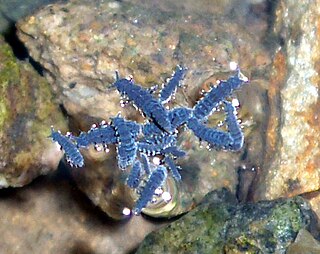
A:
(201, 172)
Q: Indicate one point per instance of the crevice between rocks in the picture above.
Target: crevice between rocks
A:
(19, 49)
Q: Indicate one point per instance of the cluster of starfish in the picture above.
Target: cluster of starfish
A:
(136, 143)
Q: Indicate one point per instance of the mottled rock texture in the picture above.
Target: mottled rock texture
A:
(304, 243)
(27, 110)
(292, 159)
(219, 225)
(12, 11)
(52, 216)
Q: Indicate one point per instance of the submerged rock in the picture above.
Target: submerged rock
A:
(104, 184)
(291, 162)
(27, 111)
(220, 225)
(304, 243)
(51, 216)
(11, 11)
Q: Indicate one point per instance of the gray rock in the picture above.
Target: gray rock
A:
(220, 225)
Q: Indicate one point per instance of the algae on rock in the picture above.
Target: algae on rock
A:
(27, 110)
(221, 225)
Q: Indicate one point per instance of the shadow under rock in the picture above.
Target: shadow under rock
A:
(51, 215)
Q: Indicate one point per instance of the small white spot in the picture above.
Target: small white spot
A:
(114, 5)
(166, 196)
(243, 77)
(233, 66)
(235, 102)
(156, 161)
(158, 191)
(126, 211)
(98, 148)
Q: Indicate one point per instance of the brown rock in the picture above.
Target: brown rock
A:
(291, 162)
(51, 216)
(304, 243)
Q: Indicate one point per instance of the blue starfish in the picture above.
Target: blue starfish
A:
(158, 136)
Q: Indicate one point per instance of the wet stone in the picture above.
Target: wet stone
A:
(105, 185)
(304, 243)
(14, 10)
(291, 163)
(80, 52)
(221, 225)
(51, 215)
(78, 47)
(27, 111)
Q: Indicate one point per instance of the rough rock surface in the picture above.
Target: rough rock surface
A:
(304, 243)
(218, 225)
(11, 11)
(292, 159)
(52, 216)
(27, 111)
(80, 44)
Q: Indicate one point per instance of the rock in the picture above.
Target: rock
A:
(104, 184)
(80, 45)
(304, 243)
(80, 54)
(27, 111)
(50, 215)
(291, 162)
(12, 11)
(314, 200)
(220, 225)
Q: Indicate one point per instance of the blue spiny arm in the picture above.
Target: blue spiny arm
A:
(216, 138)
(104, 134)
(150, 129)
(173, 168)
(133, 179)
(145, 163)
(156, 145)
(156, 180)
(179, 116)
(233, 127)
(150, 106)
(126, 133)
(217, 94)
(73, 155)
(175, 81)
(174, 151)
